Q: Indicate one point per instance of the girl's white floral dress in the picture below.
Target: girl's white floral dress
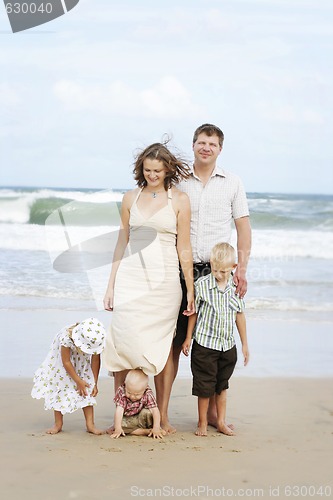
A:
(52, 382)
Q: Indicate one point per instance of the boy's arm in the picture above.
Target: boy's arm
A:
(241, 327)
(190, 327)
(118, 416)
(156, 432)
(95, 367)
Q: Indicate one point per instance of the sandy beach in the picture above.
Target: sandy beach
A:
(281, 405)
(283, 447)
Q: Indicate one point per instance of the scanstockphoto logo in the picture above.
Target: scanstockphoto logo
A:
(24, 15)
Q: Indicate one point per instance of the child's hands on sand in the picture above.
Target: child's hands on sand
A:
(117, 433)
(157, 433)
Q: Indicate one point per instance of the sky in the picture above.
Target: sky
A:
(79, 96)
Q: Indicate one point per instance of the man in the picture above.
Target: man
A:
(217, 197)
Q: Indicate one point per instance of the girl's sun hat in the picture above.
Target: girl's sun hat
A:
(89, 336)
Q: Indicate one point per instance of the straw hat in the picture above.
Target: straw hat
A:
(89, 336)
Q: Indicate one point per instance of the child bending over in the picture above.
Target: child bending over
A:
(136, 408)
(67, 379)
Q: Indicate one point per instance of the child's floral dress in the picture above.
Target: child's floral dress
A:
(52, 382)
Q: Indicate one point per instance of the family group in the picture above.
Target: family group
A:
(176, 285)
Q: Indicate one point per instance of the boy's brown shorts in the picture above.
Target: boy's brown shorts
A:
(142, 420)
(211, 369)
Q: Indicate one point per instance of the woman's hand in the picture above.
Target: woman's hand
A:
(190, 304)
(108, 300)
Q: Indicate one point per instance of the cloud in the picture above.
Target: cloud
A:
(8, 95)
(169, 98)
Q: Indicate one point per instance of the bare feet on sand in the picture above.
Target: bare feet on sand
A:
(228, 430)
(201, 430)
(213, 423)
(54, 430)
(93, 430)
(167, 427)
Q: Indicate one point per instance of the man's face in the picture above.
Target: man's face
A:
(206, 149)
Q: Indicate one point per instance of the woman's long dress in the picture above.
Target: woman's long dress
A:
(147, 294)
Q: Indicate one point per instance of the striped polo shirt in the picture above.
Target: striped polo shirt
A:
(213, 208)
(216, 311)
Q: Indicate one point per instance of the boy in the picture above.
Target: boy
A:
(214, 354)
(136, 408)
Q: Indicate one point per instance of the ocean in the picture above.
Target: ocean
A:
(291, 267)
(44, 232)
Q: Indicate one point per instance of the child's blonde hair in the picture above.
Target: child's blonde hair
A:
(223, 253)
(137, 378)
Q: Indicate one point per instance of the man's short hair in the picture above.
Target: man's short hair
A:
(209, 129)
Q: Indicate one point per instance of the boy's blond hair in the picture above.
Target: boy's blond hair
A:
(137, 378)
(223, 253)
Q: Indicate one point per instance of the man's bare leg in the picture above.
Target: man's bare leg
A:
(163, 385)
(221, 407)
(212, 413)
(58, 423)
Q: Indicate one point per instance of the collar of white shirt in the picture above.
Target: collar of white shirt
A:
(217, 171)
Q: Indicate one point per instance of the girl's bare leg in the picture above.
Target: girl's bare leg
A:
(89, 416)
(58, 423)
(163, 385)
(221, 407)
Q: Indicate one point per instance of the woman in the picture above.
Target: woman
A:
(144, 290)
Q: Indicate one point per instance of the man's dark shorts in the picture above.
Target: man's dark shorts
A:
(211, 369)
(199, 270)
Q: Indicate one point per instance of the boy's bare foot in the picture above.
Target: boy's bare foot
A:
(201, 430)
(93, 430)
(225, 429)
(54, 430)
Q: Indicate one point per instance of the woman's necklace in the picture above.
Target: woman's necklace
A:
(155, 193)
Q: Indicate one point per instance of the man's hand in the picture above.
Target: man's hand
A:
(240, 282)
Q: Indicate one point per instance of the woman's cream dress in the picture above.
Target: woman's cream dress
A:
(147, 294)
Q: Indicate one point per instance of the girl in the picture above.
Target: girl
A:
(67, 379)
